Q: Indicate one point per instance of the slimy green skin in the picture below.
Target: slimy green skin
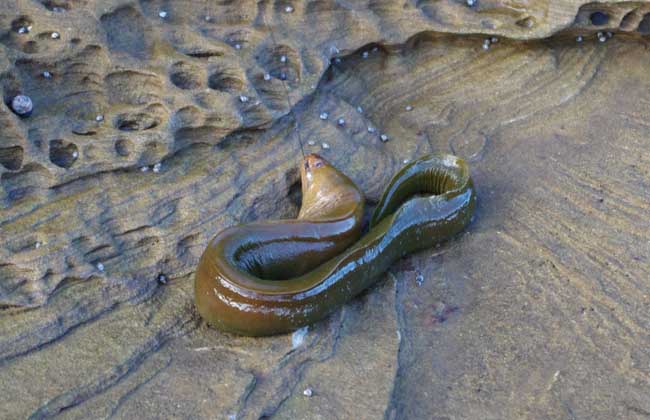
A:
(274, 277)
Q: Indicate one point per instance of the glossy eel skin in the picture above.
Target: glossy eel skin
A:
(273, 277)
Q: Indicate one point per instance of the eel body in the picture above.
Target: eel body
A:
(273, 277)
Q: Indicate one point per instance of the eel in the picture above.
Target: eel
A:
(273, 277)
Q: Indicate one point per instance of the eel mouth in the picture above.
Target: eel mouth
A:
(314, 161)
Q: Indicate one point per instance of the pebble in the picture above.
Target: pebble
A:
(419, 279)
(55, 35)
(486, 43)
(298, 337)
(308, 392)
(323, 115)
(22, 105)
(325, 146)
(100, 266)
(384, 138)
(163, 14)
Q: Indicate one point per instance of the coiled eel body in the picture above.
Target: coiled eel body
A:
(273, 277)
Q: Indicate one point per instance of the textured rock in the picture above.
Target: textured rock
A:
(152, 133)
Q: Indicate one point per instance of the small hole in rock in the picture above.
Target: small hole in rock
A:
(62, 154)
(56, 6)
(599, 18)
(22, 24)
(11, 157)
(124, 147)
(30, 47)
(225, 82)
(185, 76)
(644, 25)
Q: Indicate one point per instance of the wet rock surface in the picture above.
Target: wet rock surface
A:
(156, 124)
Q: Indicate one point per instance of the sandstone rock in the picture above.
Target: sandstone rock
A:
(140, 149)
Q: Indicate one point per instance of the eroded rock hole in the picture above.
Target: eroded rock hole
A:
(63, 154)
(136, 121)
(11, 157)
(225, 82)
(599, 18)
(185, 76)
(644, 25)
(124, 147)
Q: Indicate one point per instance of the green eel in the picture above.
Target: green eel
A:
(272, 277)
